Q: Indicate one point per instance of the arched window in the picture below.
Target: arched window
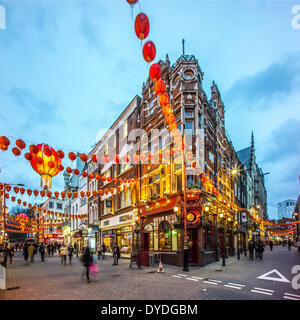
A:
(165, 235)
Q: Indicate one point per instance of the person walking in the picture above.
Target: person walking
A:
(99, 251)
(116, 254)
(70, 253)
(260, 249)
(52, 249)
(49, 249)
(42, 251)
(31, 252)
(289, 244)
(87, 259)
(63, 254)
(251, 248)
(10, 252)
(103, 250)
(271, 245)
(25, 252)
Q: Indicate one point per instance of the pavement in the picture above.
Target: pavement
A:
(238, 280)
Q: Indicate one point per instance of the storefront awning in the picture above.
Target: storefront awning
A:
(117, 226)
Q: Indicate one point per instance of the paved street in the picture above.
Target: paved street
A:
(237, 280)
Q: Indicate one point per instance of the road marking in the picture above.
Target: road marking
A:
(229, 286)
(291, 294)
(191, 279)
(183, 275)
(268, 293)
(214, 280)
(197, 278)
(210, 282)
(290, 298)
(176, 276)
(236, 284)
(280, 279)
(264, 289)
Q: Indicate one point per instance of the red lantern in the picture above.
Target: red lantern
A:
(193, 164)
(155, 72)
(56, 193)
(42, 193)
(108, 179)
(61, 167)
(91, 176)
(126, 158)
(94, 158)
(106, 191)
(76, 172)
(8, 188)
(105, 158)
(69, 194)
(115, 180)
(120, 180)
(97, 177)
(83, 157)
(16, 189)
(20, 144)
(29, 192)
(22, 191)
(84, 174)
(69, 170)
(88, 193)
(163, 99)
(160, 87)
(149, 51)
(141, 26)
(60, 154)
(116, 159)
(132, 2)
(4, 143)
(49, 194)
(36, 192)
(82, 194)
(63, 194)
(173, 126)
(13, 199)
(47, 151)
(51, 164)
(72, 156)
(103, 178)
(39, 160)
(100, 192)
(167, 110)
(170, 118)
(16, 151)
(28, 156)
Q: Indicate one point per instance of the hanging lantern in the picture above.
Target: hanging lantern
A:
(16, 189)
(29, 192)
(69, 170)
(56, 193)
(42, 193)
(108, 179)
(19, 201)
(155, 72)
(105, 158)
(163, 99)
(20, 144)
(63, 195)
(88, 193)
(28, 156)
(22, 191)
(69, 194)
(49, 194)
(8, 188)
(91, 176)
(51, 164)
(120, 180)
(82, 194)
(84, 174)
(94, 158)
(41, 167)
(126, 158)
(72, 156)
(115, 180)
(142, 26)
(13, 199)
(83, 157)
(103, 178)
(94, 193)
(76, 172)
(167, 110)
(172, 127)
(60, 154)
(160, 87)
(106, 191)
(170, 118)
(116, 159)
(112, 190)
(61, 168)
(100, 192)
(193, 164)
(4, 143)
(36, 193)
(16, 151)
(150, 156)
(149, 51)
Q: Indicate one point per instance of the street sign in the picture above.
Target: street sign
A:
(280, 279)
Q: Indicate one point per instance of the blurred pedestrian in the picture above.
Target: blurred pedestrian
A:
(260, 249)
(251, 247)
(10, 252)
(42, 251)
(52, 249)
(87, 260)
(99, 251)
(116, 254)
(103, 250)
(63, 254)
(271, 245)
(31, 252)
(70, 253)
(289, 244)
(49, 249)
(25, 252)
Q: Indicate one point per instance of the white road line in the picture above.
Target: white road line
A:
(214, 280)
(176, 276)
(183, 275)
(236, 284)
(291, 294)
(227, 285)
(210, 282)
(264, 289)
(262, 292)
(191, 279)
(290, 298)
(197, 278)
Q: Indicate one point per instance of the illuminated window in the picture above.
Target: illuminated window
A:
(125, 129)
(165, 235)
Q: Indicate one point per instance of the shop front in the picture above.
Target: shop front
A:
(118, 230)
(67, 234)
(91, 238)
(76, 237)
(52, 238)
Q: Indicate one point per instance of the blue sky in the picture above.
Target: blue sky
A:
(69, 68)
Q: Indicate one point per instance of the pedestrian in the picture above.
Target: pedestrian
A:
(52, 249)
(70, 253)
(116, 254)
(25, 252)
(99, 251)
(260, 249)
(31, 252)
(36, 246)
(271, 245)
(251, 247)
(289, 244)
(103, 250)
(4, 254)
(10, 252)
(63, 254)
(42, 251)
(87, 260)
(49, 249)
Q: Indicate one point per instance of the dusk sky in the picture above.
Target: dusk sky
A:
(69, 68)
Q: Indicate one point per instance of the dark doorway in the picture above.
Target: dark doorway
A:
(193, 245)
(146, 241)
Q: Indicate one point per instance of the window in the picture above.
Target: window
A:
(76, 208)
(114, 140)
(106, 149)
(125, 129)
(58, 205)
(107, 206)
(189, 113)
(51, 205)
(189, 127)
(150, 107)
(165, 235)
